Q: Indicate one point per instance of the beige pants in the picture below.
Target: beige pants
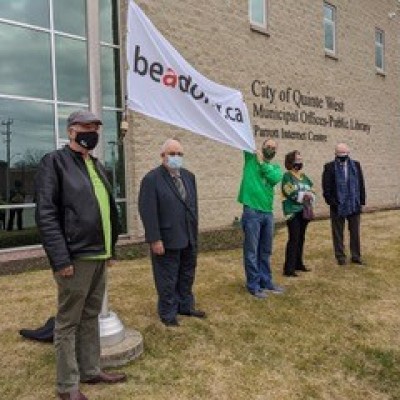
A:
(76, 334)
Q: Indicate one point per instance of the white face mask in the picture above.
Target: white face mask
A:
(174, 162)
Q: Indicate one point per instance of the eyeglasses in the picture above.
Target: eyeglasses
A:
(175, 153)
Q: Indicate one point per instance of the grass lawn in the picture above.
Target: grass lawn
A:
(334, 334)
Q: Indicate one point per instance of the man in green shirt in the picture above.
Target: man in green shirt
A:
(256, 194)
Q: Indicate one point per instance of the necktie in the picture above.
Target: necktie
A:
(180, 186)
(343, 167)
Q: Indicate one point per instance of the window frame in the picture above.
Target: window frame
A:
(256, 26)
(380, 45)
(330, 52)
(57, 103)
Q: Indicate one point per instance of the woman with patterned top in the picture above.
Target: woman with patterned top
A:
(297, 194)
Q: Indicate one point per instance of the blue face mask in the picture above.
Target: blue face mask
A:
(175, 162)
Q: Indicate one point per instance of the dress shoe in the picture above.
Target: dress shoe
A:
(358, 261)
(73, 395)
(170, 322)
(341, 262)
(106, 377)
(303, 268)
(194, 313)
(290, 274)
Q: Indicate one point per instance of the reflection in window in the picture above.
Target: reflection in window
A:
(32, 131)
(113, 152)
(72, 70)
(27, 72)
(69, 16)
(17, 227)
(26, 11)
(121, 206)
(110, 77)
(379, 49)
(109, 21)
(258, 13)
(31, 136)
(330, 28)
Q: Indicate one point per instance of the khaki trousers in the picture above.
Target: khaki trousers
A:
(76, 334)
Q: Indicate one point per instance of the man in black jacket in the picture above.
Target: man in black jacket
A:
(78, 223)
(344, 191)
(168, 209)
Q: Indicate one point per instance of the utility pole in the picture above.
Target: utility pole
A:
(7, 134)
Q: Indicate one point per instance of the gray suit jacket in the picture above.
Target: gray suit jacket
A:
(165, 215)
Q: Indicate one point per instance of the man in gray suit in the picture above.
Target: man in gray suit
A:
(168, 209)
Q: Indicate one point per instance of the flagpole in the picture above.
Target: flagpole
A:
(112, 330)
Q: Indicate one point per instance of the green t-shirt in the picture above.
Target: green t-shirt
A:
(104, 204)
(293, 188)
(258, 181)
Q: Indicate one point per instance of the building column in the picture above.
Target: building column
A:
(94, 63)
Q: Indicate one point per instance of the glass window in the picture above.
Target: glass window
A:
(109, 21)
(31, 136)
(379, 49)
(25, 71)
(70, 16)
(26, 11)
(72, 70)
(32, 131)
(330, 28)
(17, 227)
(113, 152)
(258, 13)
(110, 77)
(29, 123)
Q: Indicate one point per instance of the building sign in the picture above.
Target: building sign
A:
(292, 106)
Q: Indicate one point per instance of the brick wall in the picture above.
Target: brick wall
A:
(215, 37)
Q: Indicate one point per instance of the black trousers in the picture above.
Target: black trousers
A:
(2, 219)
(337, 225)
(174, 274)
(297, 226)
(14, 211)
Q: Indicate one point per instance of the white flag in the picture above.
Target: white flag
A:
(161, 84)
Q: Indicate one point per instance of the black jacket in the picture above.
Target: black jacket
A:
(67, 211)
(329, 184)
(164, 214)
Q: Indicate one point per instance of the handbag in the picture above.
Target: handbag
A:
(308, 211)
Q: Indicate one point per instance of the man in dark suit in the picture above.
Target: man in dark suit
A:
(344, 191)
(168, 209)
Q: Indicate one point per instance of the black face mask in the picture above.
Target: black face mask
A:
(87, 140)
(268, 153)
(342, 158)
(298, 166)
